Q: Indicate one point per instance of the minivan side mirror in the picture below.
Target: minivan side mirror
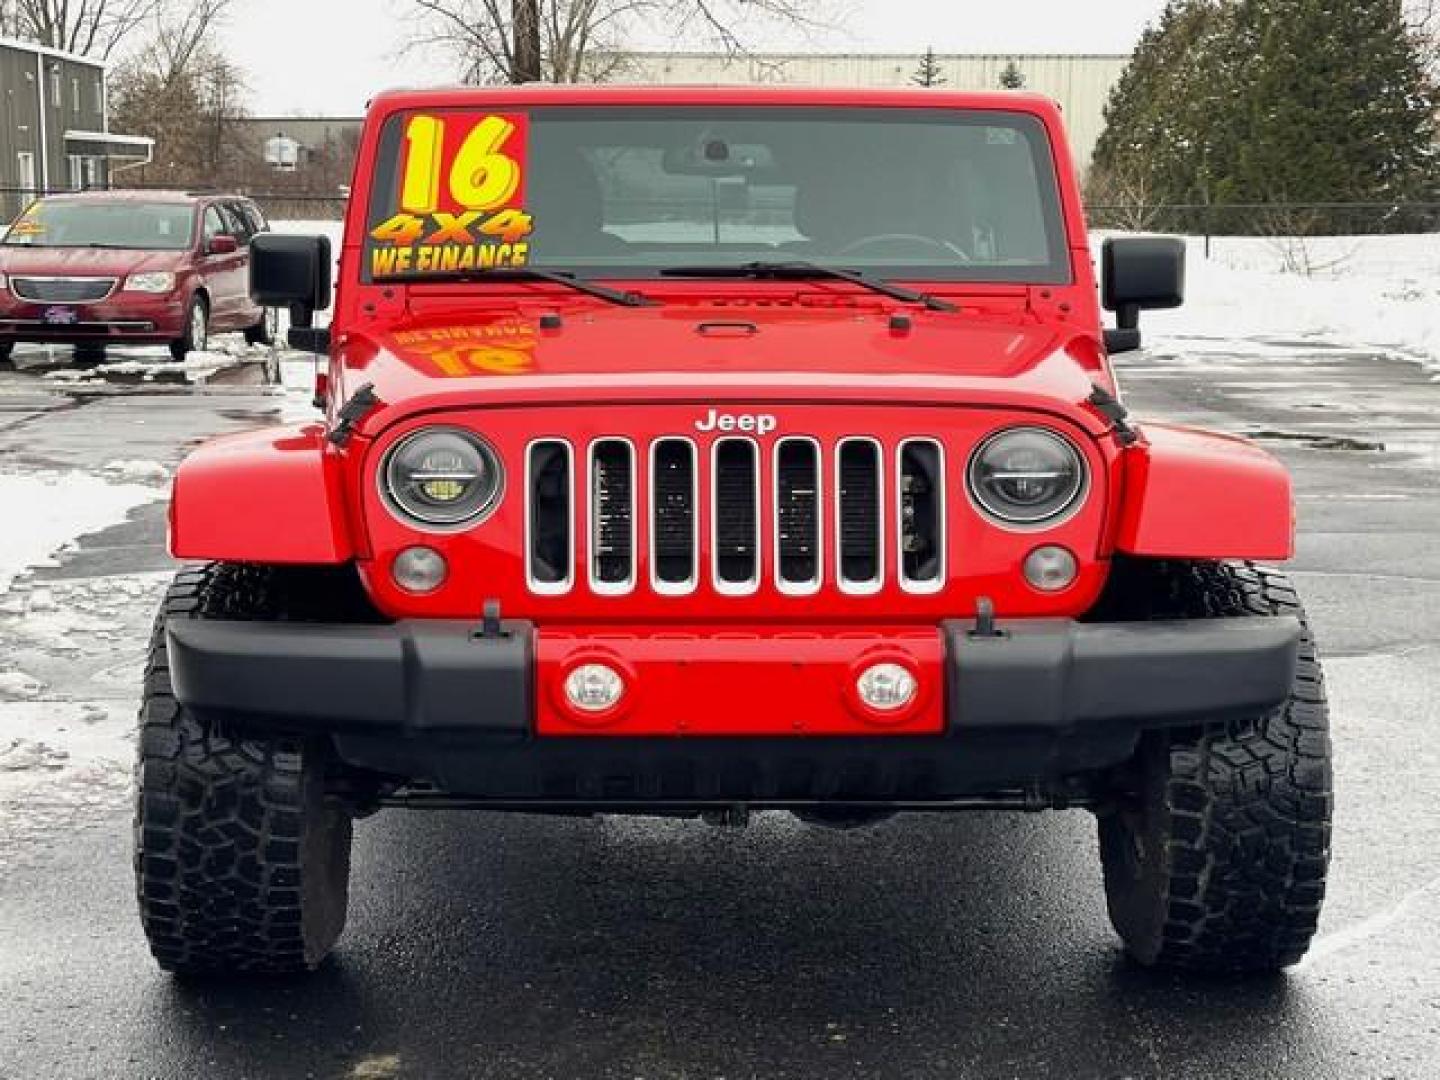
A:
(293, 272)
(222, 245)
(1139, 273)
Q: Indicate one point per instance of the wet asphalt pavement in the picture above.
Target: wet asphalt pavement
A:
(517, 947)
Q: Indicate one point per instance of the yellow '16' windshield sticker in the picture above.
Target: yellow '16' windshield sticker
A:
(461, 198)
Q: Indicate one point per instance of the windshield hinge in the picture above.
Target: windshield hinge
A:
(1109, 406)
(352, 412)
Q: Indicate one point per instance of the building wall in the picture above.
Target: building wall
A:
(44, 94)
(1080, 83)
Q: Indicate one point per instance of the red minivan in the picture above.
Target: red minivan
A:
(129, 267)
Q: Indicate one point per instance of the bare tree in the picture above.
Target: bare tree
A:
(88, 27)
(580, 40)
(180, 89)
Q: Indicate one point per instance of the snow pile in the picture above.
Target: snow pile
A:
(42, 512)
(1380, 292)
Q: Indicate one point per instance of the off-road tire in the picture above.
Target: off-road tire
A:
(242, 862)
(189, 340)
(1216, 848)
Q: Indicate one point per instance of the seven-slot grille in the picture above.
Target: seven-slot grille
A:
(802, 502)
(62, 290)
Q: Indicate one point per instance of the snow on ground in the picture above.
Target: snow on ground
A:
(70, 682)
(44, 511)
(1380, 292)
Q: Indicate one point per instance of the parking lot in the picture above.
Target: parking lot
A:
(965, 946)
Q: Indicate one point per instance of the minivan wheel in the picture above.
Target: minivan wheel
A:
(197, 329)
(266, 330)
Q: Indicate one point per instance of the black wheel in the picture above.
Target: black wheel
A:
(7, 353)
(242, 860)
(266, 330)
(1216, 848)
(197, 329)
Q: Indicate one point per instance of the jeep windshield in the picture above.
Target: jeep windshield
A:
(126, 224)
(637, 192)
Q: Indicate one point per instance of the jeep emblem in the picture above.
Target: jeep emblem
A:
(758, 423)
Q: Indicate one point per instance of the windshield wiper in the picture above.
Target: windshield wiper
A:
(525, 273)
(799, 269)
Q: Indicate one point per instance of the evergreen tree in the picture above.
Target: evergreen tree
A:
(929, 72)
(1246, 101)
(1012, 78)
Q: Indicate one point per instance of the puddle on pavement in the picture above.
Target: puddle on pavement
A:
(1319, 442)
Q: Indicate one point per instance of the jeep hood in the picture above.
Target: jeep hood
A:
(735, 353)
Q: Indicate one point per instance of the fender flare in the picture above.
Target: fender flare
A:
(1191, 494)
(268, 496)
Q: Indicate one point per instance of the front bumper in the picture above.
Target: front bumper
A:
(439, 702)
(124, 317)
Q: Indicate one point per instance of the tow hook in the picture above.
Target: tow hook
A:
(985, 620)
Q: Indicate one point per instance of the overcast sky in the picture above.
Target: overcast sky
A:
(328, 56)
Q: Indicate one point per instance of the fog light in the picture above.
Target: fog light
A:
(886, 687)
(1051, 568)
(419, 570)
(594, 687)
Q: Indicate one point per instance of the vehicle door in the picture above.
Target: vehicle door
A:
(224, 265)
(245, 220)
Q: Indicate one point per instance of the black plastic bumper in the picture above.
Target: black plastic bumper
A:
(436, 701)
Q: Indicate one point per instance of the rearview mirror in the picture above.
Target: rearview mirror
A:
(1139, 274)
(293, 272)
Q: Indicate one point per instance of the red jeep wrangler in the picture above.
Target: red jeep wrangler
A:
(695, 452)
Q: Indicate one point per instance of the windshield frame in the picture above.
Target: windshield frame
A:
(188, 210)
(1058, 271)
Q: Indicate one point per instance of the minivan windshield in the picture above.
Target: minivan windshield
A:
(128, 224)
(898, 193)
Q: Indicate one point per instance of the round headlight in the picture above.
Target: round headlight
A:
(1026, 476)
(442, 476)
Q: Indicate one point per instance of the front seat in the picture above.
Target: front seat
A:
(565, 198)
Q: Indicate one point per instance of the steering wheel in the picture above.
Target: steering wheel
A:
(904, 238)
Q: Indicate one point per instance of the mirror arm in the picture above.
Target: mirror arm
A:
(1127, 316)
(304, 334)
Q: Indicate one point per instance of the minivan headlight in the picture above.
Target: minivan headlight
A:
(150, 283)
(441, 477)
(1027, 476)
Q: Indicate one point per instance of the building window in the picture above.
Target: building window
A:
(77, 171)
(94, 177)
(55, 101)
(75, 94)
(25, 168)
(99, 106)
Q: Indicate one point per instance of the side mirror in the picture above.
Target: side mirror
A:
(1139, 274)
(293, 272)
(222, 245)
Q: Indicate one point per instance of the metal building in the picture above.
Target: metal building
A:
(55, 125)
(1081, 83)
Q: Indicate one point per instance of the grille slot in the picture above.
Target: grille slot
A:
(859, 510)
(736, 517)
(920, 517)
(550, 522)
(612, 515)
(797, 515)
(673, 515)
(57, 290)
